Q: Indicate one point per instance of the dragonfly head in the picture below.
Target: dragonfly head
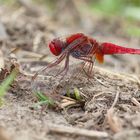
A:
(56, 46)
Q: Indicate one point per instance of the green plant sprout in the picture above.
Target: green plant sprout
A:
(5, 85)
(43, 100)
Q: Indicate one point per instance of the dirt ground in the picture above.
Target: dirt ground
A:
(109, 109)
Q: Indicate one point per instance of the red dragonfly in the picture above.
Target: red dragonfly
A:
(83, 47)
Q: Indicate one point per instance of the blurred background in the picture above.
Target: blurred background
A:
(83, 12)
(30, 24)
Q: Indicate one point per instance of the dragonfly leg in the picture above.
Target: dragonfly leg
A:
(66, 67)
(50, 65)
(89, 65)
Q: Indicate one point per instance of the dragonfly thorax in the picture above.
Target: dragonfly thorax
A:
(83, 50)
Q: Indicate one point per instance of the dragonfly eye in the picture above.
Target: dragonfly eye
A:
(56, 46)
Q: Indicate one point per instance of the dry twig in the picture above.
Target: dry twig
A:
(76, 131)
(135, 102)
(113, 121)
(120, 76)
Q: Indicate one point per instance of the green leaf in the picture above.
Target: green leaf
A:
(5, 85)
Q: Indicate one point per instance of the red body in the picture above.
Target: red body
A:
(80, 45)
(84, 48)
